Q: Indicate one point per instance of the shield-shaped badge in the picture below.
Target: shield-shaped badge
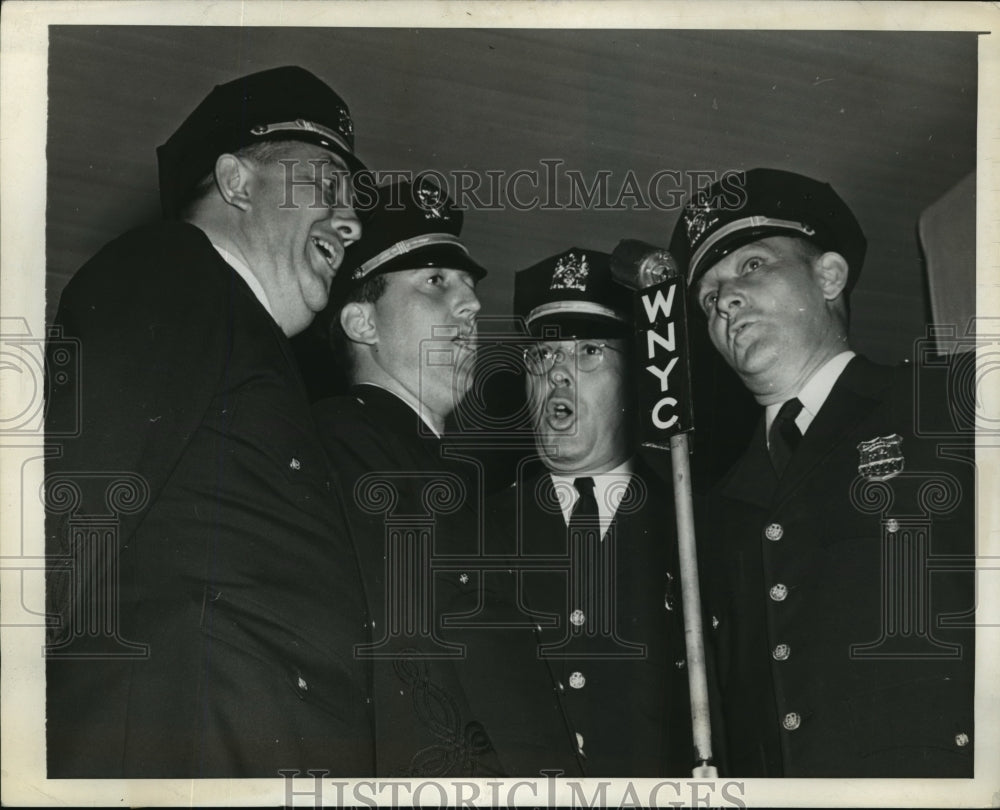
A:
(698, 219)
(433, 201)
(571, 273)
(881, 458)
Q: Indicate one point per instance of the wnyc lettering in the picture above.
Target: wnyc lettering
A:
(661, 338)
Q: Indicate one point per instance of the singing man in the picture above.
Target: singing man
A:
(839, 547)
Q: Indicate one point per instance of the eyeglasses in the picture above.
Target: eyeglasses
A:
(540, 358)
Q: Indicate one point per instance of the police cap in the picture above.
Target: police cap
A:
(406, 226)
(743, 207)
(285, 103)
(573, 295)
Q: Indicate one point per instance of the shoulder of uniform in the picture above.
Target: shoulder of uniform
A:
(157, 237)
(173, 250)
(342, 409)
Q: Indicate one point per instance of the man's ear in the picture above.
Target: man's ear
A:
(234, 179)
(831, 272)
(358, 322)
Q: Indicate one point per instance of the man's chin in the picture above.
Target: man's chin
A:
(558, 450)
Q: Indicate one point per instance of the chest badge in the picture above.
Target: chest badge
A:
(881, 458)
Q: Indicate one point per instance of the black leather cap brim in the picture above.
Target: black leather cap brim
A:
(566, 326)
(444, 256)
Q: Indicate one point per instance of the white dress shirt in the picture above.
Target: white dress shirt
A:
(813, 394)
(609, 490)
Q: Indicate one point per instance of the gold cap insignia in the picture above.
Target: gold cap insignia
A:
(433, 202)
(698, 218)
(570, 273)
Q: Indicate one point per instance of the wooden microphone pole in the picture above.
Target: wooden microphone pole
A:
(694, 639)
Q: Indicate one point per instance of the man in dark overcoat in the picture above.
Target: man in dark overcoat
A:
(203, 585)
(592, 526)
(838, 550)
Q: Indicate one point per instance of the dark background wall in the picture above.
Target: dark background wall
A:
(888, 118)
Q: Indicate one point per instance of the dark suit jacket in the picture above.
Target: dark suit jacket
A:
(845, 635)
(404, 495)
(202, 571)
(631, 712)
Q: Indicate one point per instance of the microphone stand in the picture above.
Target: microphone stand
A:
(638, 266)
(694, 640)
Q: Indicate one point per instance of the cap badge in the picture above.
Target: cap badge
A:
(570, 273)
(433, 202)
(344, 122)
(698, 218)
(881, 458)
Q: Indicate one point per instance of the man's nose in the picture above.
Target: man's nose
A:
(561, 372)
(467, 304)
(347, 224)
(730, 298)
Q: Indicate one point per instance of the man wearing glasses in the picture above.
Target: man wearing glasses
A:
(606, 596)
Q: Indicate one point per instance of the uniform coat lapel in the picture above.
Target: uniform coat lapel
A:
(859, 389)
(752, 478)
(543, 528)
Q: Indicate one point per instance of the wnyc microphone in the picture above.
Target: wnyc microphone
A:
(660, 319)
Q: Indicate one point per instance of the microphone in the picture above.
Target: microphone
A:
(665, 413)
(636, 264)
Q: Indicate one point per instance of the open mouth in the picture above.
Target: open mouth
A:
(559, 413)
(465, 342)
(329, 251)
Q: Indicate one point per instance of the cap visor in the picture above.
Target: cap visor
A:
(728, 244)
(445, 256)
(568, 327)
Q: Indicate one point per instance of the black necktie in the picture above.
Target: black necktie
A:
(784, 435)
(584, 515)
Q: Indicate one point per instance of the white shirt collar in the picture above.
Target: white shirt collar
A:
(813, 394)
(609, 490)
(247, 275)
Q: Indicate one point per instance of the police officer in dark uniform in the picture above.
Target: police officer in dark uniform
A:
(839, 547)
(402, 320)
(607, 601)
(194, 534)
